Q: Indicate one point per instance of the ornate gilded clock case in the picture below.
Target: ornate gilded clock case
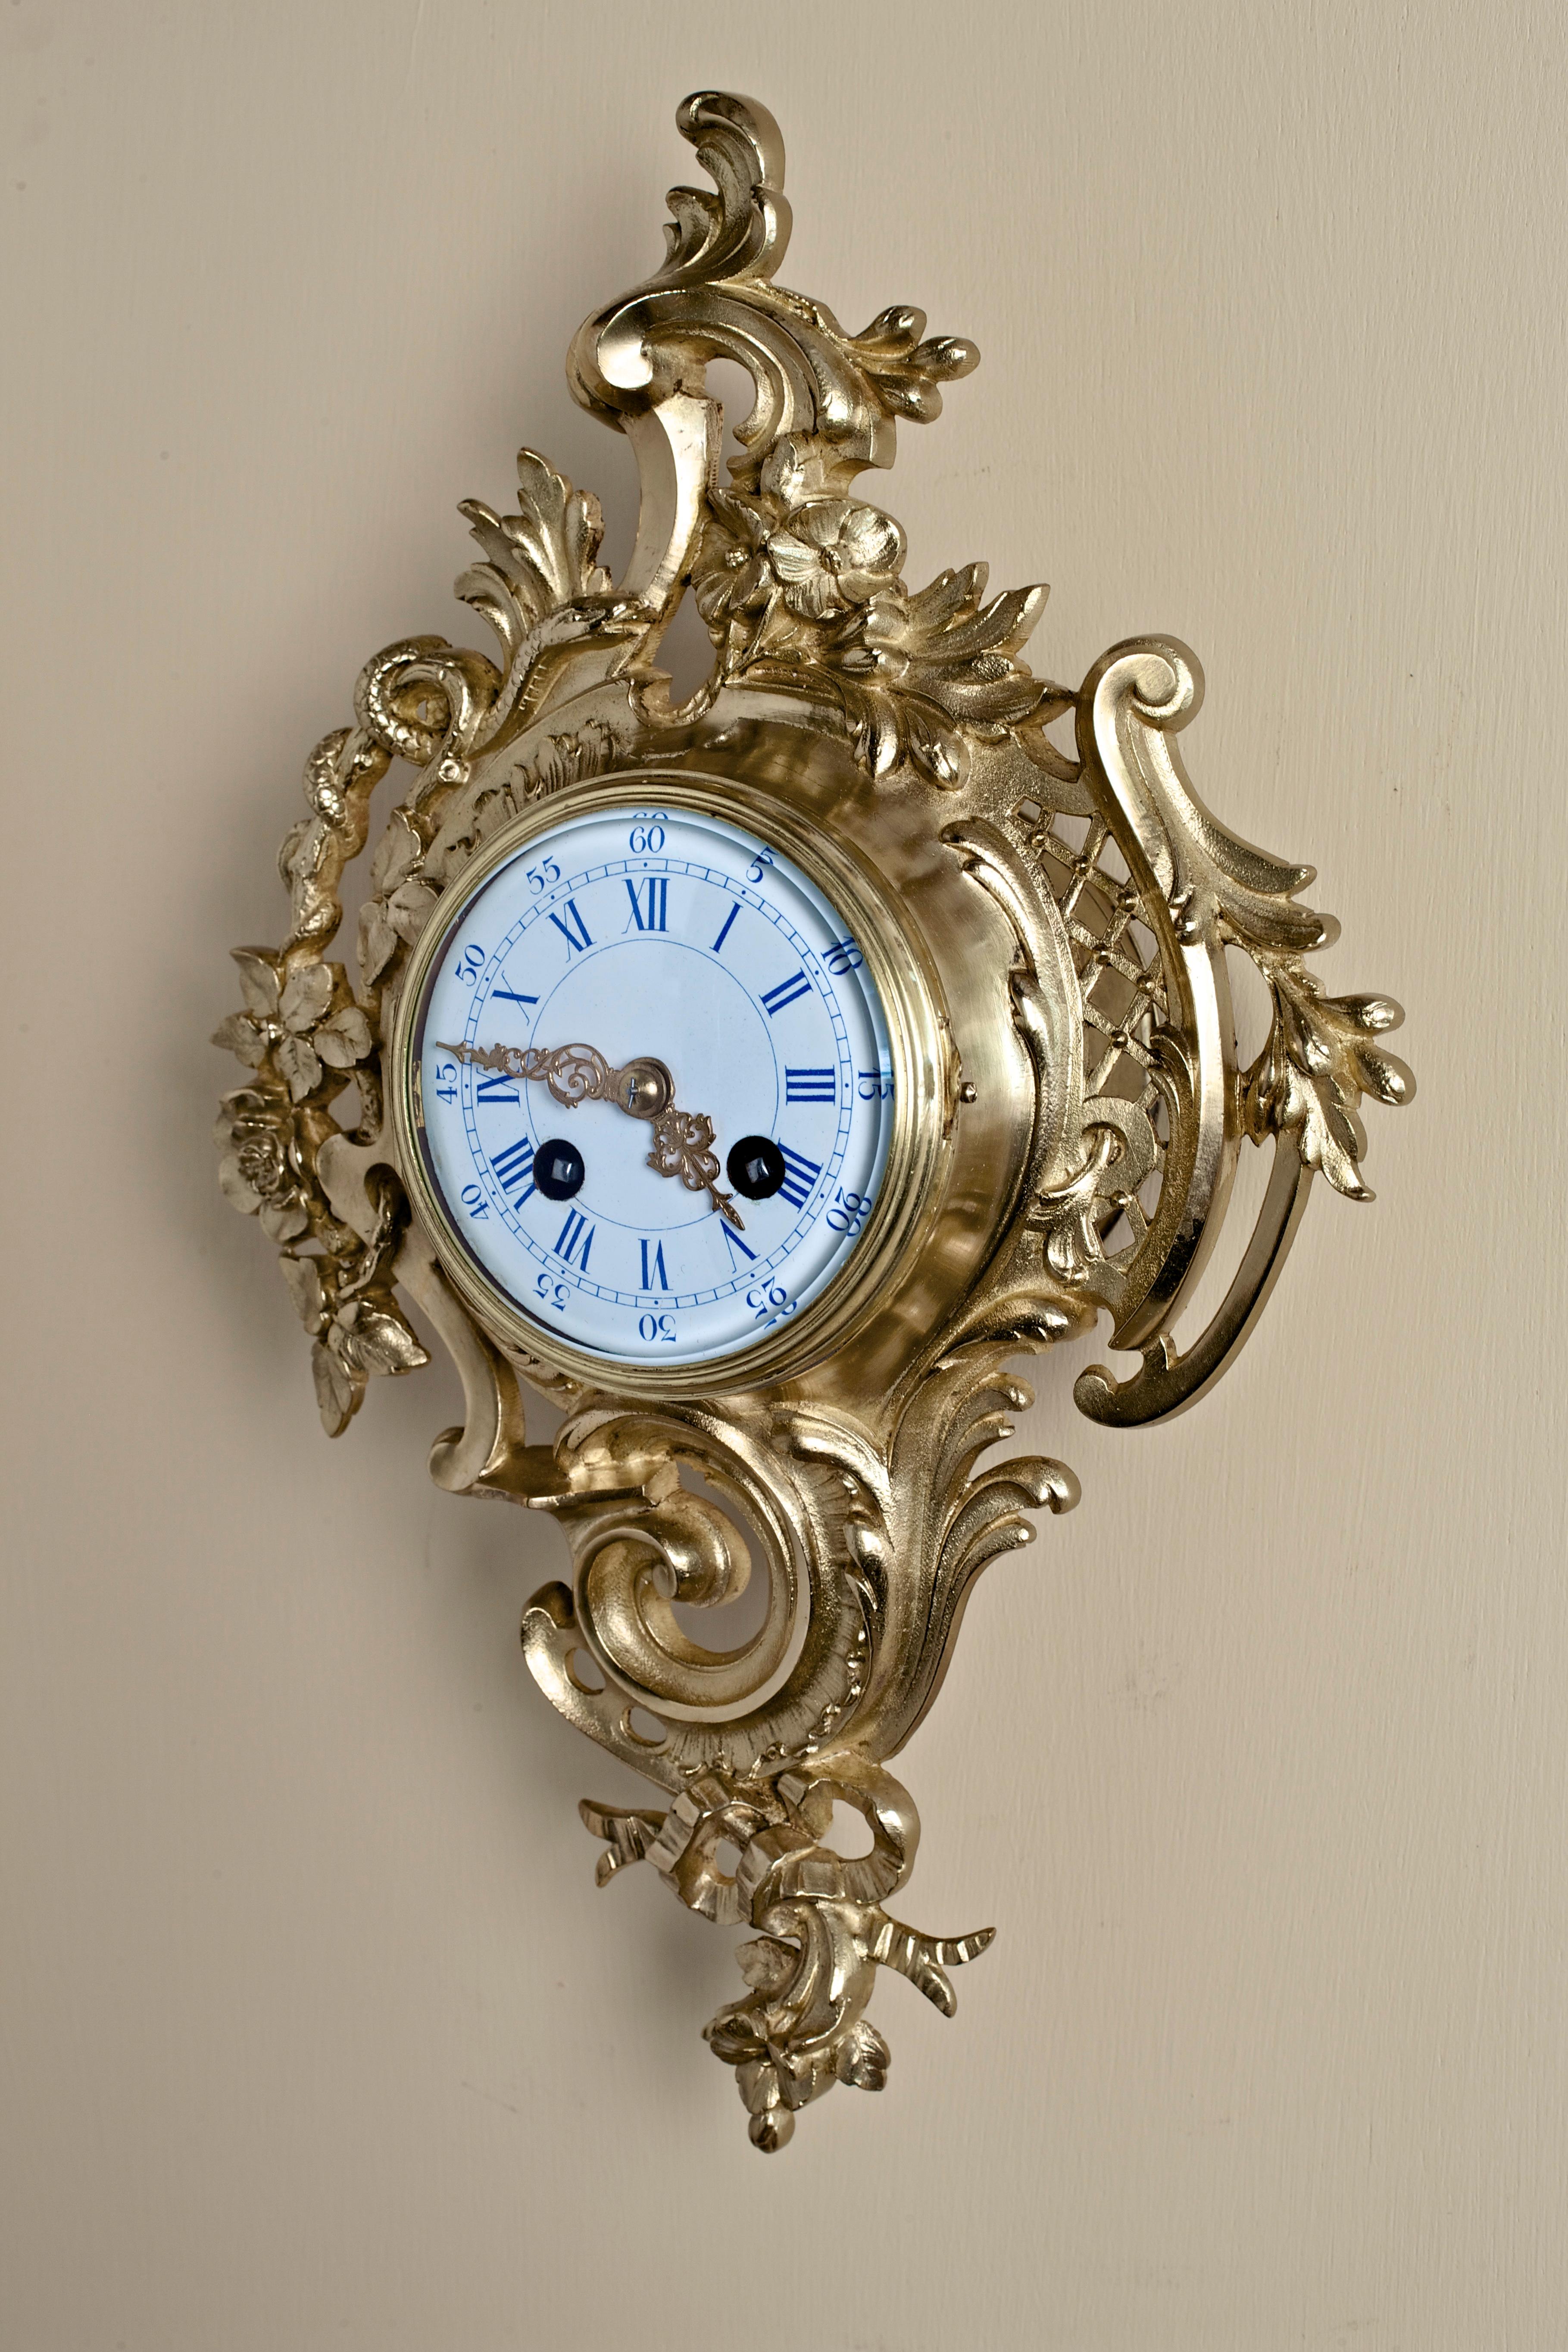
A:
(1071, 1107)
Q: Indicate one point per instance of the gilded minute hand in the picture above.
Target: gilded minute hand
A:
(682, 1139)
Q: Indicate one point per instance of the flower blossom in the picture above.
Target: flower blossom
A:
(832, 553)
(289, 1017)
(258, 1171)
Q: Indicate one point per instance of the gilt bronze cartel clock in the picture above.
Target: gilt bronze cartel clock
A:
(758, 1076)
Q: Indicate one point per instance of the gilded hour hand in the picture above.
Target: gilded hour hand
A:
(682, 1139)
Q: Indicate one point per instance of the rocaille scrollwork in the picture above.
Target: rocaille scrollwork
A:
(869, 1519)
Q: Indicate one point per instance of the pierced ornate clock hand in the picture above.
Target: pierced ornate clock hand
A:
(682, 1146)
(576, 1074)
(682, 1139)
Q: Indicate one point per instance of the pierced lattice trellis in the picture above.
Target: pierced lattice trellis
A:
(1122, 982)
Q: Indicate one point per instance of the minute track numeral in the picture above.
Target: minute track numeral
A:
(574, 1240)
(811, 1086)
(515, 1166)
(788, 992)
(572, 928)
(650, 903)
(800, 1175)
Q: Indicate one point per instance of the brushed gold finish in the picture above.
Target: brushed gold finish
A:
(1047, 928)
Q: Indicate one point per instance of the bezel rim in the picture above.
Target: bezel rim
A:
(916, 1027)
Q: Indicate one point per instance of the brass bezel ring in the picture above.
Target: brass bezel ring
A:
(911, 998)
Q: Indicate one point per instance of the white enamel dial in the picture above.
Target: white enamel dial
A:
(655, 935)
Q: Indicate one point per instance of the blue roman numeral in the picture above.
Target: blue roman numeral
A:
(810, 1086)
(800, 1175)
(573, 930)
(653, 1275)
(515, 1166)
(575, 1239)
(655, 895)
(725, 932)
(512, 997)
(496, 1090)
(737, 1246)
(786, 992)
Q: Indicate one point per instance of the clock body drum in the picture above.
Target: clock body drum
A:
(780, 1190)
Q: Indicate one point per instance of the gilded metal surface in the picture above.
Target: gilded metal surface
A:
(1058, 920)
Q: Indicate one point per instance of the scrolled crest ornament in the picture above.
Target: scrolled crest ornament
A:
(757, 1075)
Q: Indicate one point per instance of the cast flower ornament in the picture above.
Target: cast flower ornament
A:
(832, 554)
(817, 556)
(260, 1171)
(738, 579)
(291, 1019)
(302, 1034)
(353, 1334)
(794, 579)
(401, 906)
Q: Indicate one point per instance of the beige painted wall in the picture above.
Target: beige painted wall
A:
(314, 2031)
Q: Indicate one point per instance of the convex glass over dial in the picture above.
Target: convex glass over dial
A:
(655, 1084)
